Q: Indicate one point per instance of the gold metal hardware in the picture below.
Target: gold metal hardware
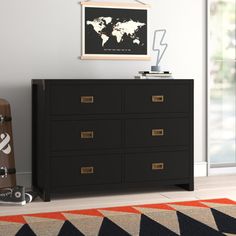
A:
(86, 134)
(157, 98)
(157, 166)
(87, 99)
(87, 170)
(157, 132)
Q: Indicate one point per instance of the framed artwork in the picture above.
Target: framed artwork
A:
(114, 31)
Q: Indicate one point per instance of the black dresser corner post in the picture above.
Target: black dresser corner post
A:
(47, 142)
(34, 108)
(111, 134)
(191, 137)
(190, 185)
(40, 140)
(191, 146)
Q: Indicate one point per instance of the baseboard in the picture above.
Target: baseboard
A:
(222, 171)
(24, 179)
(200, 169)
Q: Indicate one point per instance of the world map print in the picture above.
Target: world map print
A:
(119, 28)
(115, 31)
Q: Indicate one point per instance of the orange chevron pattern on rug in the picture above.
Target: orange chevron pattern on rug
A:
(200, 217)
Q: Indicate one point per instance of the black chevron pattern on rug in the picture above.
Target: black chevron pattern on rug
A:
(222, 221)
(189, 226)
(110, 228)
(69, 229)
(25, 230)
(149, 227)
(225, 223)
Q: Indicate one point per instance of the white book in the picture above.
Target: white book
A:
(152, 77)
(154, 72)
(158, 75)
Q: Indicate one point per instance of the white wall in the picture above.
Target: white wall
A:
(42, 39)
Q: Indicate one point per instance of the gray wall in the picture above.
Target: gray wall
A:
(42, 39)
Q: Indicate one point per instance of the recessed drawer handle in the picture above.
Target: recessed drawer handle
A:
(157, 166)
(86, 134)
(158, 98)
(157, 132)
(87, 170)
(87, 99)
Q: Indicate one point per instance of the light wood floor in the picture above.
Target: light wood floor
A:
(205, 188)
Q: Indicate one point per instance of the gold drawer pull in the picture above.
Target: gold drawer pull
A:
(87, 170)
(157, 132)
(158, 98)
(157, 166)
(86, 134)
(87, 99)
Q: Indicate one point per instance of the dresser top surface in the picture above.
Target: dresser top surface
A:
(111, 81)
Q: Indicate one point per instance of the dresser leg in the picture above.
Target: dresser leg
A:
(46, 196)
(189, 187)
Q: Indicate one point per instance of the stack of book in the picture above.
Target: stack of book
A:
(154, 75)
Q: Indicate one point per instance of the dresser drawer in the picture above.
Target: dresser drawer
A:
(85, 134)
(157, 98)
(74, 171)
(157, 166)
(157, 132)
(85, 99)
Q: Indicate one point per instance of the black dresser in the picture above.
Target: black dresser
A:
(111, 134)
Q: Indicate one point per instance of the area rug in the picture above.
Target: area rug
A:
(190, 218)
